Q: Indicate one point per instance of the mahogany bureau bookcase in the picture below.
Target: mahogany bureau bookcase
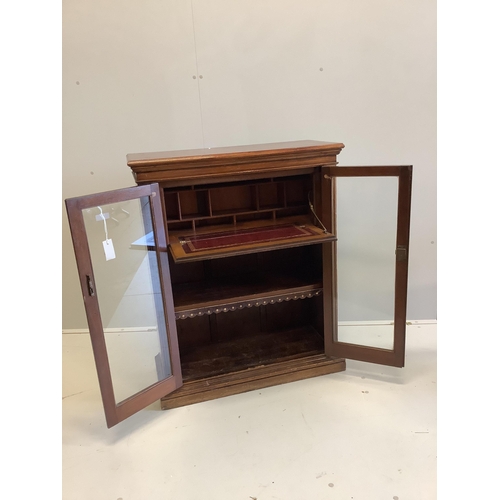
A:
(219, 272)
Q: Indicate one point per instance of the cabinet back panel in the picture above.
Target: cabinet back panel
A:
(180, 226)
(186, 272)
(291, 211)
(238, 265)
(172, 206)
(194, 204)
(214, 221)
(286, 315)
(255, 216)
(298, 261)
(193, 332)
(301, 261)
(296, 191)
(207, 329)
(271, 195)
(238, 324)
(234, 198)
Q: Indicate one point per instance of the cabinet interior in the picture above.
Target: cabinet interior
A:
(247, 303)
(249, 310)
(210, 221)
(246, 266)
(195, 206)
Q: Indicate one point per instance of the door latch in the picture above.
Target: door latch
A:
(90, 286)
(401, 253)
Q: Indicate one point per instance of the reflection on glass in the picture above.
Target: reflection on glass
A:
(126, 280)
(366, 230)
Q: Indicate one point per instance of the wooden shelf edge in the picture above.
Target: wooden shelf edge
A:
(253, 378)
(263, 248)
(257, 300)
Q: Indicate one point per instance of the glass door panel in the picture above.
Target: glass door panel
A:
(129, 294)
(365, 259)
(124, 279)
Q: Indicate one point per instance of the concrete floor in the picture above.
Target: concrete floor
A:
(368, 433)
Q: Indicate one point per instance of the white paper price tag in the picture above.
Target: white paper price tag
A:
(109, 249)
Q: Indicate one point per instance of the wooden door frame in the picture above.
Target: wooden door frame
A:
(333, 347)
(114, 412)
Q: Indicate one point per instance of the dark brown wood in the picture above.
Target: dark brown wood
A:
(262, 175)
(366, 171)
(256, 150)
(226, 380)
(251, 350)
(220, 297)
(329, 274)
(396, 355)
(201, 204)
(232, 161)
(403, 242)
(253, 378)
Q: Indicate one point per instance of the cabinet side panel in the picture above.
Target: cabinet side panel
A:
(329, 262)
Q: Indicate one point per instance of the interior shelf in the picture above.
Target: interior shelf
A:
(231, 294)
(256, 350)
(245, 237)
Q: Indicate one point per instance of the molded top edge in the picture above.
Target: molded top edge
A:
(165, 157)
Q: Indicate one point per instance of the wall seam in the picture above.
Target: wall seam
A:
(197, 75)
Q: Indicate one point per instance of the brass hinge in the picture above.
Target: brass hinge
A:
(401, 253)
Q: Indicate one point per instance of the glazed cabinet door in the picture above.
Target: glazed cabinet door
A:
(121, 252)
(367, 267)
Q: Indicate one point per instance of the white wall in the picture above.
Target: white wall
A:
(353, 71)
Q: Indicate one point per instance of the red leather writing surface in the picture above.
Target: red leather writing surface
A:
(243, 237)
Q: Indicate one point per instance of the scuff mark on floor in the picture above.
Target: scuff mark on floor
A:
(75, 394)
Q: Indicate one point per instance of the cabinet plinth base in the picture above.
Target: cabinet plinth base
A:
(197, 391)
